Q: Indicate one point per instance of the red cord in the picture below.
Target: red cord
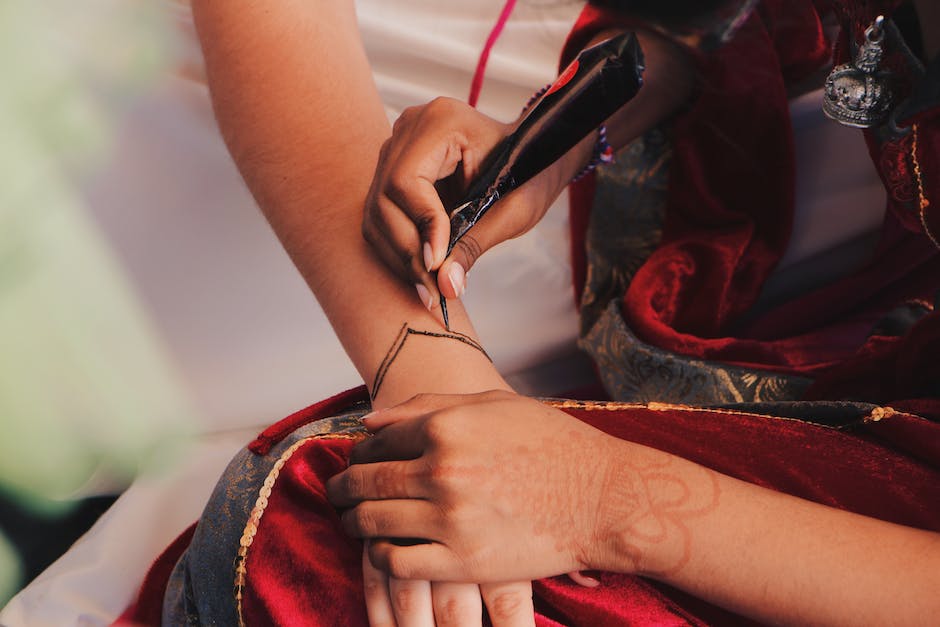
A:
(477, 83)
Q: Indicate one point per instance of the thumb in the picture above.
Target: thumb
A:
(503, 222)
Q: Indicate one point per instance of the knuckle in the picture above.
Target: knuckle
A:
(470, 248)
(438, 429)
(361, 521)
(373, 587)
(398, 568)
(388, 482)
(505, 604)
(404, 598)
(453, 609)
(384, 149)
(406, 116)
(353, 482)
(424, 222)
(441, 104)
(450, 611)
(439, 475)
(396, 184)
(408, 261)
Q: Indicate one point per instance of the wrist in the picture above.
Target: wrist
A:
(650, 504)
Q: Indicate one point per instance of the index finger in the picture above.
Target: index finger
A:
(416, 196)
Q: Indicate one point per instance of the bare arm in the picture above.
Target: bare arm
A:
(772, 556)
(295, 100)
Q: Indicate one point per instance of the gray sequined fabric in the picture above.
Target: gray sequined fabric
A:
(637, 372)
(201, 588)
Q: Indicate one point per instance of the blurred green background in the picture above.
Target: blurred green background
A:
(86, 389)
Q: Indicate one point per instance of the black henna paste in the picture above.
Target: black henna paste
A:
(399, 343)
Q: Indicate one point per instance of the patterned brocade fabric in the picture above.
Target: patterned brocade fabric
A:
(625, 228)
(631, 370)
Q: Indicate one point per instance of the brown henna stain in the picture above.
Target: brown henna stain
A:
(553, 496)
(649, 508)
(403, 334)
(642, 505)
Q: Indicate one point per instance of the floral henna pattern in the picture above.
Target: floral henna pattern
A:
(647, 509)
(637, 507)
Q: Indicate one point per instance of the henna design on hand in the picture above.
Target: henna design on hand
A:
(399, 344)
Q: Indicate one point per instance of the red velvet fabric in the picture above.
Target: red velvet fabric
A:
(302, 570)
(728, 221)
(329, 407)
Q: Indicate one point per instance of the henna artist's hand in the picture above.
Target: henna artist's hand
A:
(500, 486)
(435, 150)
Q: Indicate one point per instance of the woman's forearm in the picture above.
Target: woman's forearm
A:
(763, 553)
(296, 103)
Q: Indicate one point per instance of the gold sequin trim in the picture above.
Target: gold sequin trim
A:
(877, 414)
(261, 503)
(923, 201)
(619, 406)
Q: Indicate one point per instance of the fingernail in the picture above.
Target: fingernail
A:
(458, 278)
(425, 296)
(584, 580)
(428, 256)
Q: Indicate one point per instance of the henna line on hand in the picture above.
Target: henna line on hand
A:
(399, 344)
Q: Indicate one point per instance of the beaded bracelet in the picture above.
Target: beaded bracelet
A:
(603, 153)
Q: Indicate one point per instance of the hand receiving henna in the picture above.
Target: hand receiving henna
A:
(498, 487)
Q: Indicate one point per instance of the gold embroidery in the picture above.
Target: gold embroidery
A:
(877, 414)
(254, 519)
(924, 202)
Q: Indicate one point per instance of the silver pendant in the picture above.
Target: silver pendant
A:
(858, 94)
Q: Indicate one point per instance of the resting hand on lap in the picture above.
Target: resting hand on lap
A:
(502, 486)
